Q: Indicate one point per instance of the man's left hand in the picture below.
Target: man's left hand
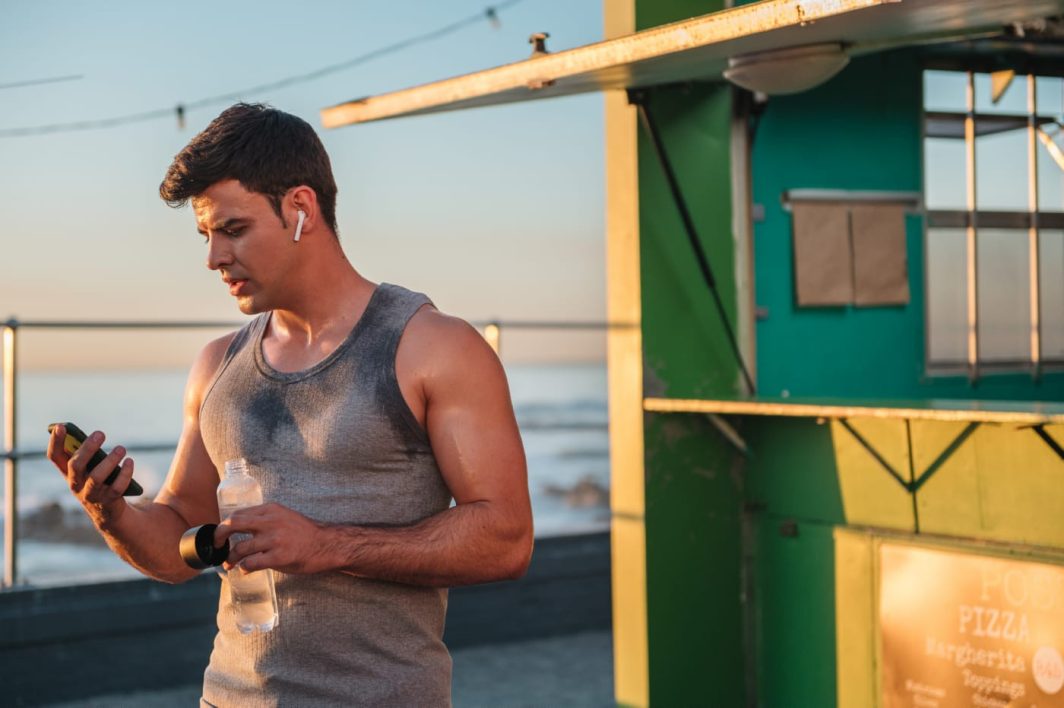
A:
(281, 539)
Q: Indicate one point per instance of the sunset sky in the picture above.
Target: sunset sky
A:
(495, 213)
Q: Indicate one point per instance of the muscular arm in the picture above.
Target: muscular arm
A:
(486, 536)
(146, 535)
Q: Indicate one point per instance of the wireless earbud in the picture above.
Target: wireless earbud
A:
(299, 224)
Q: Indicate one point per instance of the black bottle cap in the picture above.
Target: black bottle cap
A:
(197, 547)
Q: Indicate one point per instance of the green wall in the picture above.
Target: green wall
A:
(693, 499)
(793, 502)
(859, 131)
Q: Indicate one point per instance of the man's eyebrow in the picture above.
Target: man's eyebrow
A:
(228, 223)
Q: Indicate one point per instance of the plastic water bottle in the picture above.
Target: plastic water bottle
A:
(253, 596)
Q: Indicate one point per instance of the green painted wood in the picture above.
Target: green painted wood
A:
(686, 349)
(651, 13)
(796, 614)
(695, 618)
(792, 470)
(695, 627)
(792, 487)
(859, 131)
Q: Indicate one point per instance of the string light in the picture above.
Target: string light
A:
(490, 13)
(38, 82)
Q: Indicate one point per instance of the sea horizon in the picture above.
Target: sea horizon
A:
(561, 410)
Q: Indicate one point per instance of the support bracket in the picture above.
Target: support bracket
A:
(1040, 431)
(729, 433)
(914, 485)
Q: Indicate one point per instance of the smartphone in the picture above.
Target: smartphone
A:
(75, 436)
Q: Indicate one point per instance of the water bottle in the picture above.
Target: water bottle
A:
(253, 596)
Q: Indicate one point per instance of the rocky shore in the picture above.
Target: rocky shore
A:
(52, 523)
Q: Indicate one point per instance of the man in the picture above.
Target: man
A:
(361, 409)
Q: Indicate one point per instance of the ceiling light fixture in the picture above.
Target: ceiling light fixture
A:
(783, 71)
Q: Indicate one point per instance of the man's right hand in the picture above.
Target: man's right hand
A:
(103, 502)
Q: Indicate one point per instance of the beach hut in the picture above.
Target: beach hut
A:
(836, 432)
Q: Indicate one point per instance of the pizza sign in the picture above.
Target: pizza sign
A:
(960, 630)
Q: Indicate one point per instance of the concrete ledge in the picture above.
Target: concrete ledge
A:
(68, 643)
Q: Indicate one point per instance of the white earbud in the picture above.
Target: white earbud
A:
(299, 224)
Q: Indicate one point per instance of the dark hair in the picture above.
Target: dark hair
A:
(268, 151)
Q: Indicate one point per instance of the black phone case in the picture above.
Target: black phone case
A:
(73, 431)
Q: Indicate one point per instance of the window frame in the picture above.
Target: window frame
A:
(972, 219)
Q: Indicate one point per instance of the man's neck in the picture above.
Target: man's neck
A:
(325, 310)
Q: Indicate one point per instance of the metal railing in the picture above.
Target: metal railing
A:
(492, 331)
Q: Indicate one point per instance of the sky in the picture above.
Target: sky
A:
(495, 213)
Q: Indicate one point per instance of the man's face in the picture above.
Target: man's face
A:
(246, 244)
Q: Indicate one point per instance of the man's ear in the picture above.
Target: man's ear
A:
(303, 199)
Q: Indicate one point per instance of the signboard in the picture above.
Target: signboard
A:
(960, 630)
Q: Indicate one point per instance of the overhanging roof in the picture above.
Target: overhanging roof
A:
(698, 49)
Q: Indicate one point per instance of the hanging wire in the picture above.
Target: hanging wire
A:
(490, 14)
(38, 82)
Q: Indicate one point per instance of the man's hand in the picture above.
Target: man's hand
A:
(281, 539)
(103, 502)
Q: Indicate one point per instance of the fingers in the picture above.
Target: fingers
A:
(125, 474)
(232, 526)
(248, 520)
(265, 536)
(256, 561)
(247, 551)
(56, 452)
(97, 476)
(223, 532)
(76, 464)
(254, 540)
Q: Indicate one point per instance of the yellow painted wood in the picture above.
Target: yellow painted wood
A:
(624, 345)
(855, 617)
(695, 49)
(948, 503)
(888, 438)
(624, 353)
(1017, 412)
(630, 648)
(1004, 484)
(870, 496)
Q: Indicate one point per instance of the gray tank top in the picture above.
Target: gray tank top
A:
(337, 443)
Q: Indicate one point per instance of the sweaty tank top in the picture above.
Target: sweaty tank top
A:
(337, 443)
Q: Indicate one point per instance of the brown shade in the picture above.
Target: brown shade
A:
(880, 266)
(823, 272)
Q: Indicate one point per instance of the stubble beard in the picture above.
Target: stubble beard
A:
(248, 305)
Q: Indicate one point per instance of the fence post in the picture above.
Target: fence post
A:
(493, 335)
(11, 454)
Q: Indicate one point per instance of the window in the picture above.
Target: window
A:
(994, 246)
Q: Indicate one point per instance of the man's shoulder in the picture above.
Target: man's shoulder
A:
(212, 355)
(440, 343)
(432, 327)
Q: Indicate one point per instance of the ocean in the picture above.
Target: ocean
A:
(561, 409)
